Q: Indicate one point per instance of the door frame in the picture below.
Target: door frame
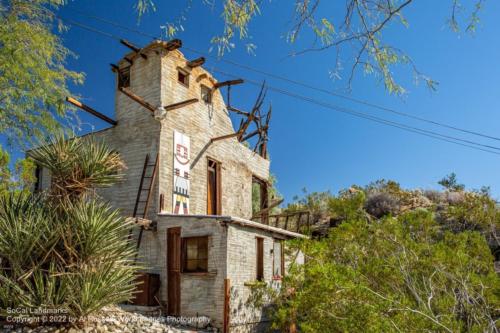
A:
(174, 271)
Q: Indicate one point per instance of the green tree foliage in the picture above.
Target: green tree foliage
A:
(64, 249)
(359, 30)
(450, 182)
(33, 82)
(19, 179)
(425, 265)
(394, 275)
(33, 74)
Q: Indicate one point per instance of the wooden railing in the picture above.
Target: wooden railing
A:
(298, 221)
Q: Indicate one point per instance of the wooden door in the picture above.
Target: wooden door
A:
(213, 188)
(174, 271)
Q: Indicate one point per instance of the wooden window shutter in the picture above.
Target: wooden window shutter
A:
(218, 178)
(260, 258)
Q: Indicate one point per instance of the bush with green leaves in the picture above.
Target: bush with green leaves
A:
(401, 274)
(65, 248)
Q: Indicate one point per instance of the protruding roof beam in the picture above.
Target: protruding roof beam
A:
(137, 99)
(196, 62)
(114, 67)
(227, 83)
(91, 111)
(174, 44)
(227, 136)
(133, 48)
(180, 104)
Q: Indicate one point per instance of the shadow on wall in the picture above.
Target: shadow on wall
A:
(248, 311)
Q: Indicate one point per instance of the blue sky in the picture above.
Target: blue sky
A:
(318, 148)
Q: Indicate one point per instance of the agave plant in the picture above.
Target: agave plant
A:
(64, 248)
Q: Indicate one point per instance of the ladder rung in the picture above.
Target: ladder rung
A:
(141, 201)
(145, 189)
(150, 165)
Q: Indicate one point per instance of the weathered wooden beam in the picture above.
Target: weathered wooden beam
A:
(174, 44)
(237, 111)
(114, 68)
(180, 104)
(266, 210)
(140, 222)
(196, 62)
(91, 111)
(138, 99)
(245, 125)
(227, 83)
(129, 61)
(227, 306)
(250, 135)
(133, 48)
(227, 136)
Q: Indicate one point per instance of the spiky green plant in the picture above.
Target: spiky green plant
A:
(78, 165)
(64, 248)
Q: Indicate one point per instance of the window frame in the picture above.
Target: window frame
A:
(259, 256)
(184, 259)
(186, 74)
(218, 186)
(209, 93)
(121, 80)
(281, 258)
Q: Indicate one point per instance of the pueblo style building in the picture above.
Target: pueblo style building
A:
(189, 185)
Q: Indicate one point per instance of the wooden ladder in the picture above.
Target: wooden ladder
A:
(145, 189)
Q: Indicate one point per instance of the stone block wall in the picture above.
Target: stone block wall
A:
(201, 294)
(201, 122)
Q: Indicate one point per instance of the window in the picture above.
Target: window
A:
(195, 254)
(278, 259)
(38, 179)
(260, 200)
(124, 77)
(260, 258)
(183, 77)
(213, 188)
(206, 94)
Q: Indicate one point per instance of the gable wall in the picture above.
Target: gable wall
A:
(201, 122)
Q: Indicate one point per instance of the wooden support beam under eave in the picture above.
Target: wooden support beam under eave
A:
(137, 99)
(180, 104)
(196, 62)
(93, 112)
(133, 48)
(174, 44)
(227, 83)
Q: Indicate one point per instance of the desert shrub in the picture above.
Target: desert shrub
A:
(393, 275)
(347, 205)
(64, 249)
(434, 196)
(379, 204)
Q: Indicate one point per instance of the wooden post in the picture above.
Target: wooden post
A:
(227, 308)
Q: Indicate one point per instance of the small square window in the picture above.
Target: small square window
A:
(183, 77)
(206, 94)
(124, 77)
(195, 254)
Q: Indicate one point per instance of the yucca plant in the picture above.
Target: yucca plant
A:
(78, 165)
(65, 248)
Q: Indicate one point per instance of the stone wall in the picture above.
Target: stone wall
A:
(201, 122)
(231, 254)
(201, 294)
